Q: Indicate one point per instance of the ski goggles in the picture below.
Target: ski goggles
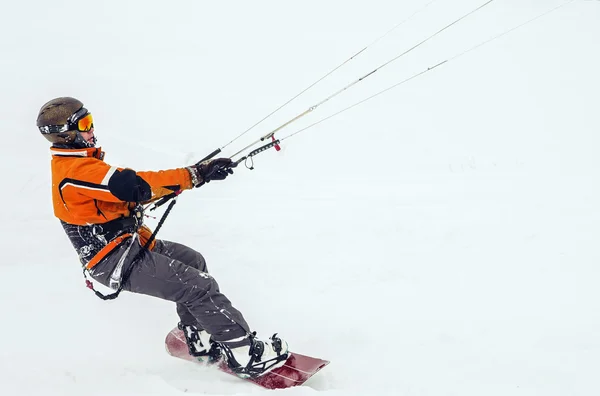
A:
(84, 124)
(81, 121)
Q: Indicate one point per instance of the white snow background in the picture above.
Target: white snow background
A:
(439, 239)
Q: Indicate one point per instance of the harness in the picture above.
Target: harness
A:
(114, 228)
(114, 232)
(138, 216)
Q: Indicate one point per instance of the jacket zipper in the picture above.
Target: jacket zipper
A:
(97, 208)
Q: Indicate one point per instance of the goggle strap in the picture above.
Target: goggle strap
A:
(54, 129)
(77, 115)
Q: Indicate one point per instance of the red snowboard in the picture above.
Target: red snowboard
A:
(296, 370)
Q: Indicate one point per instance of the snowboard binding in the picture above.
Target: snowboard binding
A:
(200, 343)
(260, 358)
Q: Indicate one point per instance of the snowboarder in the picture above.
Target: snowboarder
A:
(100, 209)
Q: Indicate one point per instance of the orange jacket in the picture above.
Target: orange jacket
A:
(86, 191)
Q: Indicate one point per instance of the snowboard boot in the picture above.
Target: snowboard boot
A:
(200, 343)
(249, 357)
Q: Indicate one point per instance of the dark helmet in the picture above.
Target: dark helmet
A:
(58, 123)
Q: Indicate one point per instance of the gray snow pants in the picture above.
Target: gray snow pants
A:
(175, 272)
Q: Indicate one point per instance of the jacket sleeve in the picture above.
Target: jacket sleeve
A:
(98, 180)
(164, 182)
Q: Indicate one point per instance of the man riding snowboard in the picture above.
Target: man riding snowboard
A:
(101, 209)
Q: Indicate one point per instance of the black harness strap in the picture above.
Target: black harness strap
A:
(138, 256)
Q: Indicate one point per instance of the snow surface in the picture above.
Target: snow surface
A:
(440, 239)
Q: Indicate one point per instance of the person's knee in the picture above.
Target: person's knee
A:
(185, 254)
(196, 260)
(201, 288)
(201, 262)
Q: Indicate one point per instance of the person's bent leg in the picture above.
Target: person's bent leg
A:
(169, 279)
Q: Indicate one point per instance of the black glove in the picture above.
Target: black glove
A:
(217, 169)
